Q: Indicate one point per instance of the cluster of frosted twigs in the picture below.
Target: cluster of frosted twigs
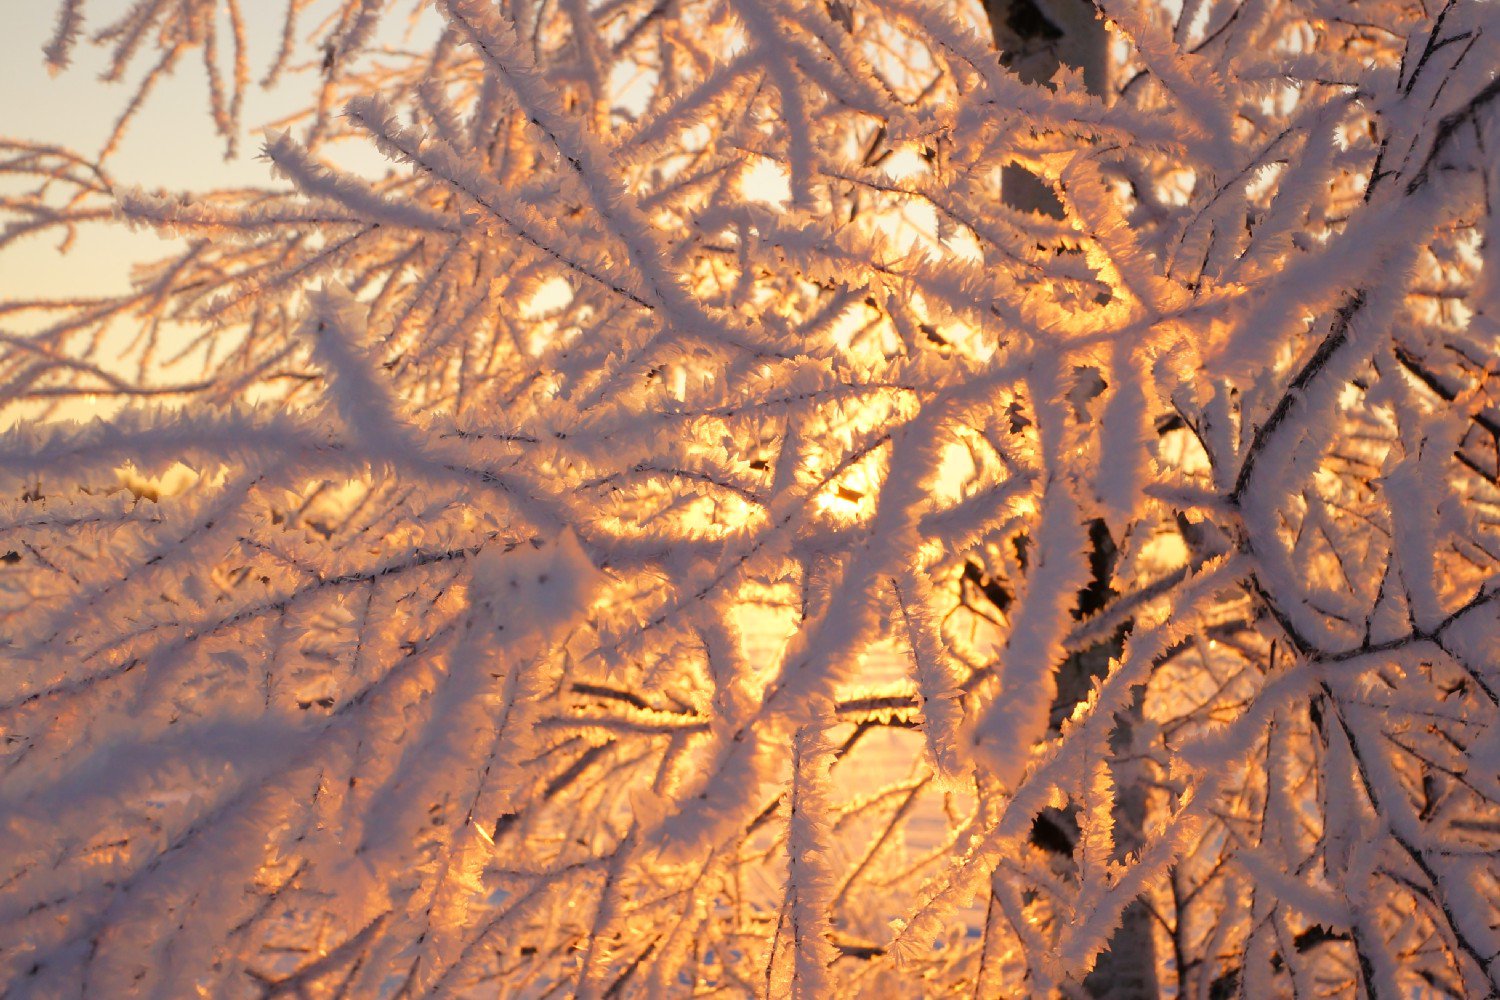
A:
(684, 529)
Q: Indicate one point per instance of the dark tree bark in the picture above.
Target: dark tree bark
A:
(1035, 38)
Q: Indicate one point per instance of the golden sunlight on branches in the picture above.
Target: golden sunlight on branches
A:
(780, 499)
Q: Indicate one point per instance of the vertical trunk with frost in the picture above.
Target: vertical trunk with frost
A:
(1035, 39)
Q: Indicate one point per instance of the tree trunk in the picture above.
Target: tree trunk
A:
(1035, 38)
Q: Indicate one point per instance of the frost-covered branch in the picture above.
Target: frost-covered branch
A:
(697, 520)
